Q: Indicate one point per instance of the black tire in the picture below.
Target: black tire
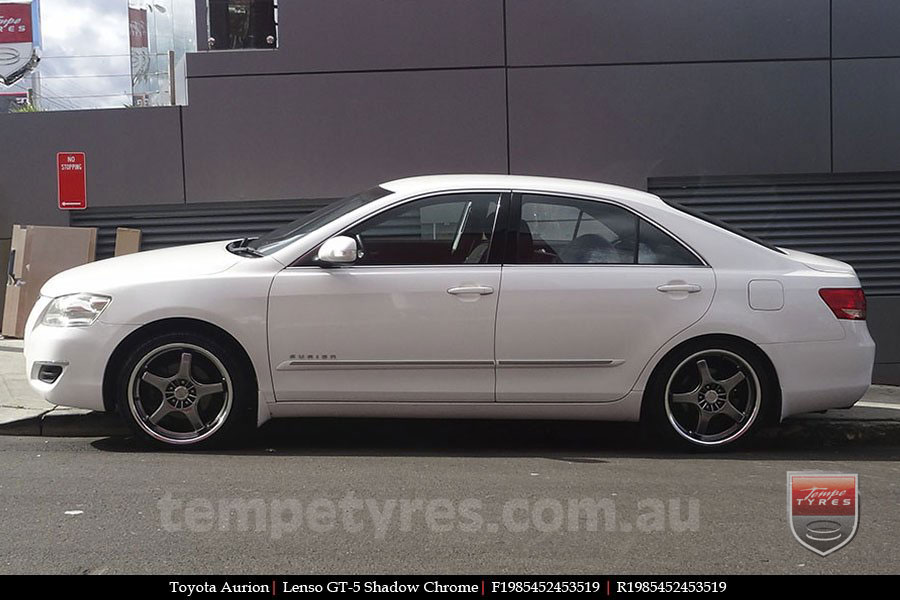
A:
(716, 407)
(214, 405)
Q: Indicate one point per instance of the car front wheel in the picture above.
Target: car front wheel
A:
(185, 390)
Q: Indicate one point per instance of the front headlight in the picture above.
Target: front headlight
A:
(74, 310)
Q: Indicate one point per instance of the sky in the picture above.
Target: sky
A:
(85, 60)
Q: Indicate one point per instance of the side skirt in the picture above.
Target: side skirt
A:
(626, 409)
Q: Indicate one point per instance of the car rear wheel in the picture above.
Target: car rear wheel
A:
(185, 390)
(709, 396)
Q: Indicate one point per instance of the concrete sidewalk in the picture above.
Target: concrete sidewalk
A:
(874, 418)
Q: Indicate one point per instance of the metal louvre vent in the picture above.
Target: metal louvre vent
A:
(177, 224)
(853, 218)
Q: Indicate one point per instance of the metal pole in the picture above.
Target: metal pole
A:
(172, 77)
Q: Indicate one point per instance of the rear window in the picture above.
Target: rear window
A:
(722, 224)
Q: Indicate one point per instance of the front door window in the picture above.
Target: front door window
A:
(453, 229)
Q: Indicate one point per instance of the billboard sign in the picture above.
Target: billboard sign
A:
(139, 44)
(18, 54)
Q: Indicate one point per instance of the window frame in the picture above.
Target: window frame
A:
(515, 215)
(203, 43)
(496, 247)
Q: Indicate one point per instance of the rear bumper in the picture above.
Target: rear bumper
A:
(821, 375)
(81, 352)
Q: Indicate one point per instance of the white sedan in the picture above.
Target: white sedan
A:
(476, 296)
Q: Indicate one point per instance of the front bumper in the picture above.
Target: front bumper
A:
(818, 376)
(81, 352)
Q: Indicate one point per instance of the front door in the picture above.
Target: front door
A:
(592, 291)
(412, 320)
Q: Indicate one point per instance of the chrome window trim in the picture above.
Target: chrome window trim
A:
(333, 365)
(501, 191)
(561, 363)
(329, 365)
(594, 265)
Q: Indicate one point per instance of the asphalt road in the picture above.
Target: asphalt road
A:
(492, 497)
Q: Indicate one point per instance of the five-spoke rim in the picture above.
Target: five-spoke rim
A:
(713, 397)
(180, 393)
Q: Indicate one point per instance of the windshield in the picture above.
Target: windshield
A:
(293, 231)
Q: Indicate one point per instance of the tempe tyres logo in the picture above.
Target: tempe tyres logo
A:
(823, 509)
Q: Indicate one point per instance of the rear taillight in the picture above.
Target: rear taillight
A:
(845, 303)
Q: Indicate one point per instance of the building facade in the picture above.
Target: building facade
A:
(781, 117)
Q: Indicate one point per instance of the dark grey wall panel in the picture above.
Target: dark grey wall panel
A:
(866, 28)
(327, 135)
(625, 124)
(866, 115)
(853, 218)
(352, 35)
(886, 373)
(201, 22)
(882, 321)
(133, 157)
(18, 206)
(163, 226)
(541, 32)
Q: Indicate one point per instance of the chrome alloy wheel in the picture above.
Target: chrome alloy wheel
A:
(713, 397)
(180, 393)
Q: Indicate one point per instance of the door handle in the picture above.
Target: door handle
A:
(481, 290)
(690, 288)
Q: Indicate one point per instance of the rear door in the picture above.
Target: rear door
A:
(590, 292)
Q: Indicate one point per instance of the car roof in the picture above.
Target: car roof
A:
(553, 185)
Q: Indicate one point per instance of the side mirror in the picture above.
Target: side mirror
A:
(340, 250)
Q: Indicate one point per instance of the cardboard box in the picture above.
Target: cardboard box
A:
(38, 253)
(128, 241)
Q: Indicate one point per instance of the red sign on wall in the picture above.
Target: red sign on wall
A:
(71, 175)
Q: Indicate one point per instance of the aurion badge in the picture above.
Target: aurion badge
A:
(823, 509)
(18, 55)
